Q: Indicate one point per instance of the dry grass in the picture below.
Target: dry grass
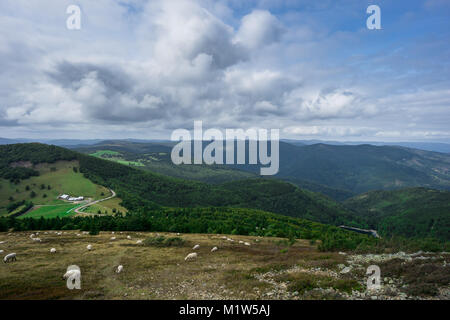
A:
(149, 272)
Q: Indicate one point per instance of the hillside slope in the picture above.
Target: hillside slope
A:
(141, 190)
(412, 212)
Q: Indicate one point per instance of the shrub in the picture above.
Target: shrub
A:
(164, 242)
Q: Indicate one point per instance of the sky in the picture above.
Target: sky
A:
(141, 69)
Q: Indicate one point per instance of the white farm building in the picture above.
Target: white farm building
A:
(69, 198)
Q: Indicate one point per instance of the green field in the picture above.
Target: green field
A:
(115, 156)
(101, 153)
(63, 210)
(106, 207)
(61, 178)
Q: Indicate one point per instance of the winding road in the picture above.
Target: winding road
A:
(77, 210)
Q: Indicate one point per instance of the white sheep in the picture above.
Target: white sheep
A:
(247, 243)
(241, 242)
(9, 257)
(113, 238)
(36, 239)
(112, 232)
(52, 250)
(32, 236)
(196, 247)
(129, 237)
(191, 256)
(139, 242)
(214, 249)
(119, 269)
(1, 251)
(89, 247)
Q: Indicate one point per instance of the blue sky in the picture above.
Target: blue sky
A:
(140, 69)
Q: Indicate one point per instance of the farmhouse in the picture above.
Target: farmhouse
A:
(69, 198)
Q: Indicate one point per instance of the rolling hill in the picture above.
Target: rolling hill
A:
(142, 190)
(338, 171)
(411, 212)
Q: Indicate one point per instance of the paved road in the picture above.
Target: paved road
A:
(77, 210)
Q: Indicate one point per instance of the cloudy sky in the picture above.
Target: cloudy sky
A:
(140, 69)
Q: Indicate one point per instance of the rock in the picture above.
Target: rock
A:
(346, 270)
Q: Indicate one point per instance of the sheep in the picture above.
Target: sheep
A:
(36, 239)
(196, 247)
(119, 269)
(191, 256)
(246, 243)
(1, 251)
(113, 238)
(112, 232)
(52, 250)
(32, 236)
(73, 276)
(139, 242)
(214, 249)
(10, 257)
(2, 242)
(129, 237)
(89, 247)
(178, 234)
(241, 242)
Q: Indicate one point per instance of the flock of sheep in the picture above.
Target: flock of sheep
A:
(191, 256)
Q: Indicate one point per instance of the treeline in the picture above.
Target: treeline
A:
(199, 220)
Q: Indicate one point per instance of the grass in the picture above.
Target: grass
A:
(115, 156)
(106, 207)
(62, 179)
(158, 271)
(63, 210)
(150, 272)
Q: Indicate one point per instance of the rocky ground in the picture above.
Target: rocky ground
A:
(243, 267)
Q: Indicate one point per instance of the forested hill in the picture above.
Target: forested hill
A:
(411, 212)
(141, 189)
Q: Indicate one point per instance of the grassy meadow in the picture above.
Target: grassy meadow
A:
(54, 179)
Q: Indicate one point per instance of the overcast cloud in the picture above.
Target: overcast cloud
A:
(140, 69)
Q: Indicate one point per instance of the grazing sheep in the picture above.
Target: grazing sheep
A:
(52, 250)
(9, 257)
(214, 249)
(2, 242)
(113, 238)
(139, 242)
(246, 243)
(89, 247)
(129, 237)
(119, 269)
(73, 276)
(191, 256)
(178, 234)
(1, 251)
(36, 239)
(32, 236)
(196, 247)
(241, 242)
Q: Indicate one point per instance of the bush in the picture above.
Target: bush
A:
(164, 242)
